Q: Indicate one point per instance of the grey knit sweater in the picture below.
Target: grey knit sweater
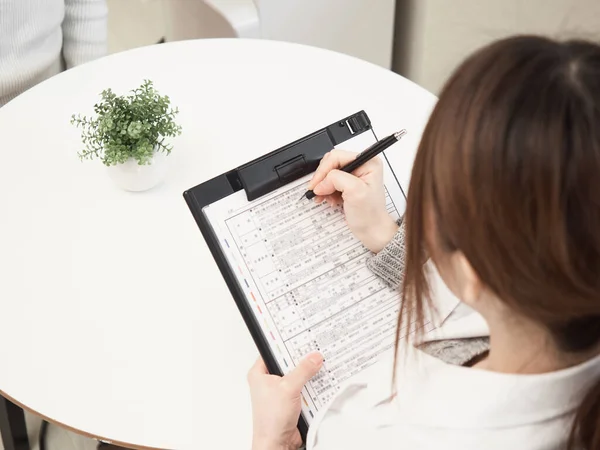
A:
(40, 38)
(389, 265)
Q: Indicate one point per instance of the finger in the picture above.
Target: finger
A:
(332, 160)
(303, 372)
(374, 165)
(336, 159)
(334, 199)
(339, 181)
(258, 368)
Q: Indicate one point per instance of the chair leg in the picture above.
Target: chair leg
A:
(12, 426)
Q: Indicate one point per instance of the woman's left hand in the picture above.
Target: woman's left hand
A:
(276, 403)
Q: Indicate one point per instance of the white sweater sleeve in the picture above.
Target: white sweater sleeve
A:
(84, 31)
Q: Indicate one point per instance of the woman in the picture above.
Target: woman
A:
(505, 199)
(40, 38)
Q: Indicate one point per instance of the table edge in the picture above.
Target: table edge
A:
(76, 430)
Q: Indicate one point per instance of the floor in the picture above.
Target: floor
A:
(56, 438)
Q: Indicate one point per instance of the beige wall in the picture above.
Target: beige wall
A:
(362, 28)
(135, 23)
(433, 36)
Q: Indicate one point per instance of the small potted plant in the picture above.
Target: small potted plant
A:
(129, 135)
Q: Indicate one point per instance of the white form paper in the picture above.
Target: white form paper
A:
(305, 275)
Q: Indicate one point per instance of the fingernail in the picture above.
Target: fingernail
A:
(316, 358)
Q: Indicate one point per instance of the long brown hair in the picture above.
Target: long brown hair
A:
(508, 170)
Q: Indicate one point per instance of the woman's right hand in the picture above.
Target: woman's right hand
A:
(362, 194)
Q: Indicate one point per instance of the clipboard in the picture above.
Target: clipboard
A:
(259, 178)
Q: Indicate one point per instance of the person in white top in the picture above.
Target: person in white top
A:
(504, 199)
(40, 38)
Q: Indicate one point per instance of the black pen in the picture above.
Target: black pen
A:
(365, 156)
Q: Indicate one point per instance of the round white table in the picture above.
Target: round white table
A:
(115, 320)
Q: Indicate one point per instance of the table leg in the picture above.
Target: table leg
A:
(12, 426)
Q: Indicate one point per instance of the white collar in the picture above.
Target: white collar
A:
(433, 393)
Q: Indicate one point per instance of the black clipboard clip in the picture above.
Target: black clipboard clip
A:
(295, 160)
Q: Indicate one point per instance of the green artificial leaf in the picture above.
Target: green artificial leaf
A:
(128, 126)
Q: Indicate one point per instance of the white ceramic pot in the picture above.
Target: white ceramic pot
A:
(133, 177)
